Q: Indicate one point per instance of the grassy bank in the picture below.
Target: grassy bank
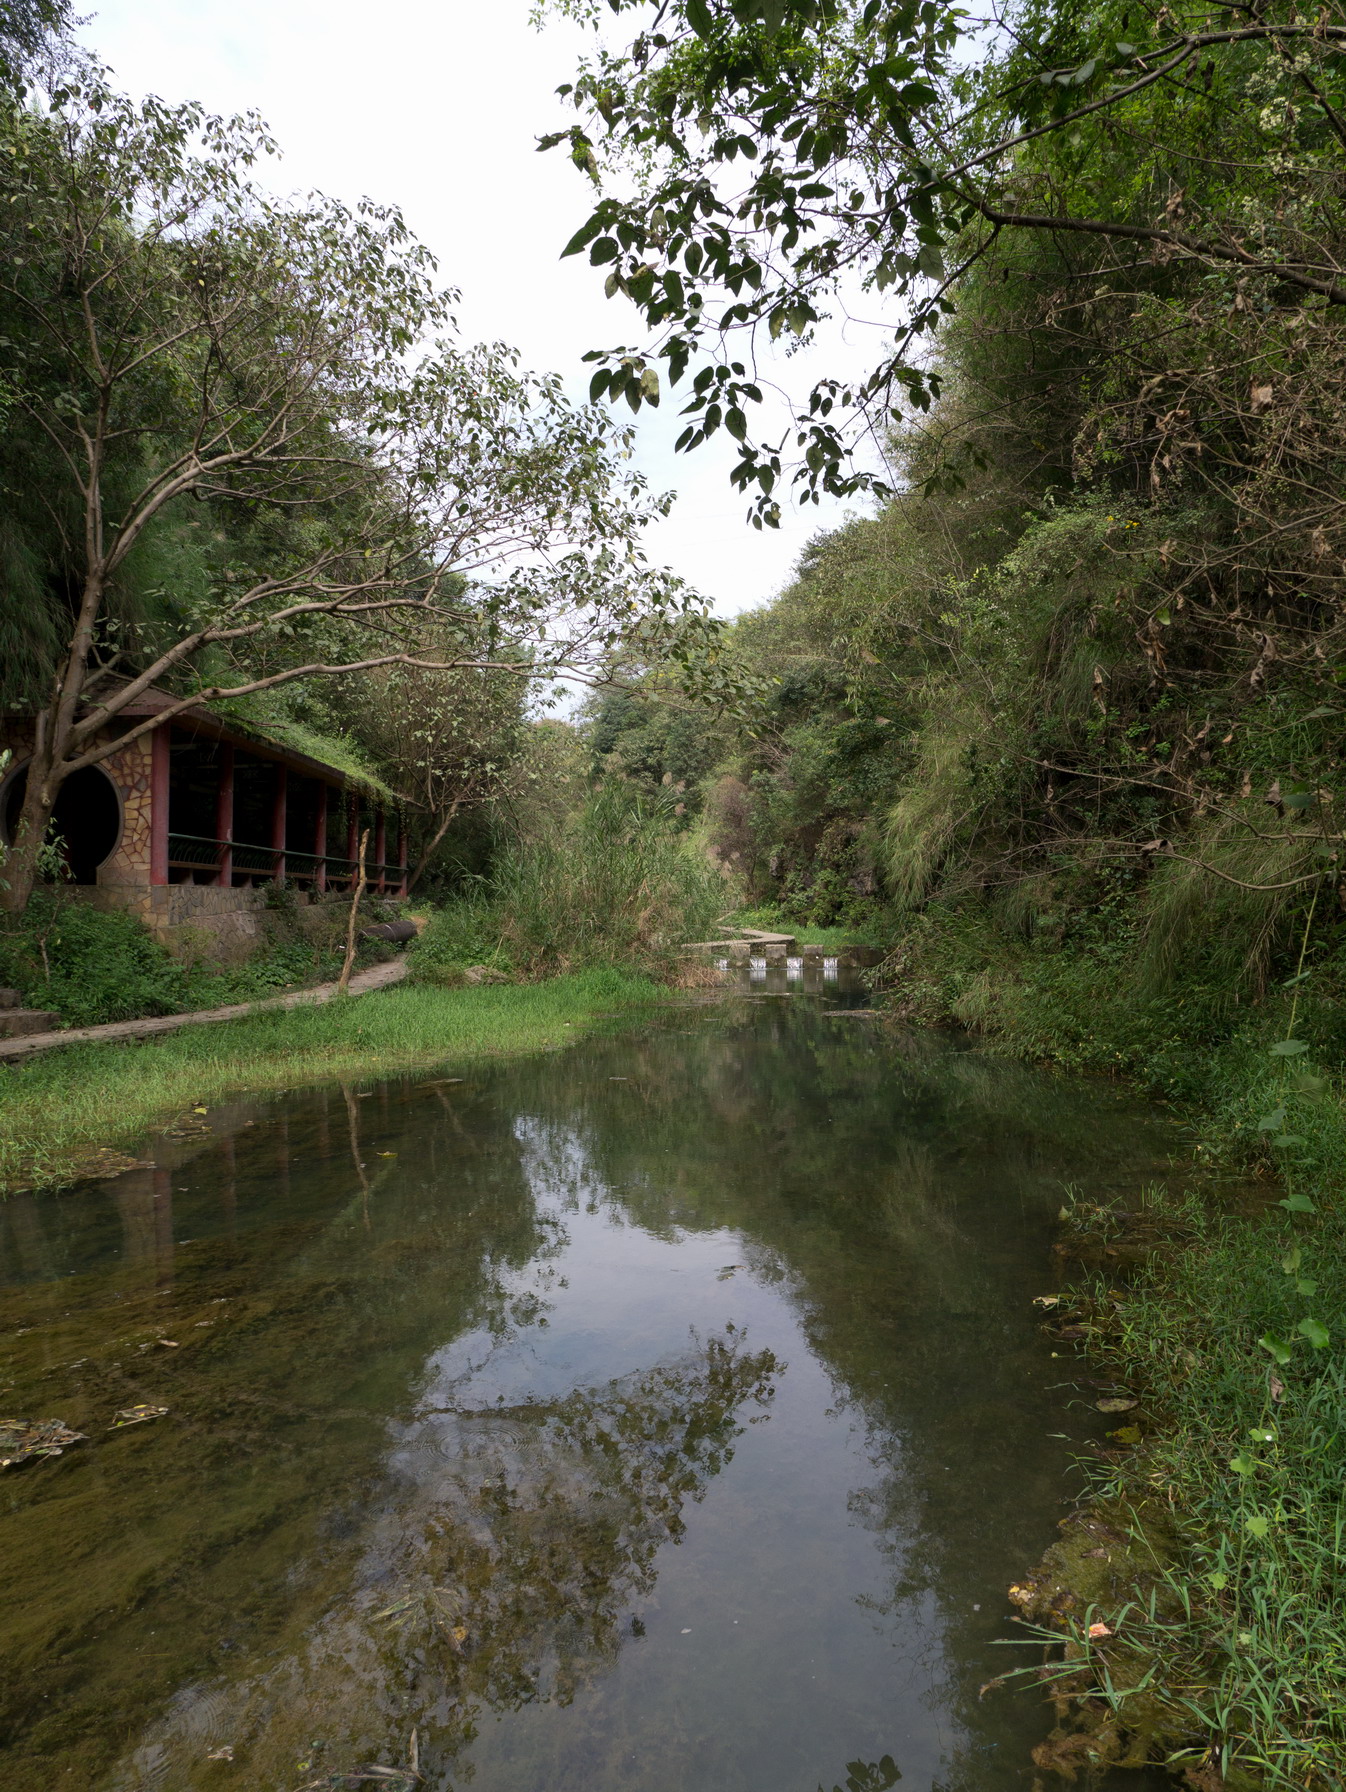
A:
(58, 1110)
(1248, 1456)
(1232, 1338)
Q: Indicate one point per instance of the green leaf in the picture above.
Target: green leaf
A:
(1292, 1259)
(1242, 1464)
(1125, 49)
(582, 238)
(1288, 1048)
(1306, 1285)
(1219, 1580)
(1278, 1347)
(1257, 1526)
(1273, 1121)
(1285, 1141)
(699, 18)
(1294, 1202)
(605, 249)
(1316, 1333)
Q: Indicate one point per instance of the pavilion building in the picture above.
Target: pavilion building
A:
(186, 825)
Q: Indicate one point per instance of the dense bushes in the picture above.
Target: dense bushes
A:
(90, 966)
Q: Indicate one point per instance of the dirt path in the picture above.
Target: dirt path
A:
(378, 978)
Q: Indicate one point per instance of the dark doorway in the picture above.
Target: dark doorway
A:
(87, 817)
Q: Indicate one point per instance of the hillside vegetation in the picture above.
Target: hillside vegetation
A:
(1061, 721)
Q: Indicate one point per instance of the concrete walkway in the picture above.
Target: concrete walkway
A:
(378, 978)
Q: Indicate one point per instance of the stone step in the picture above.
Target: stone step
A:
(18, 1023)
(10, 998)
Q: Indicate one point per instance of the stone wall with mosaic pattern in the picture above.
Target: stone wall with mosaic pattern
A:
(129, 860)
(129, 772)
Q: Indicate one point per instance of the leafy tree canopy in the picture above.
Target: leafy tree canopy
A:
(759, 162)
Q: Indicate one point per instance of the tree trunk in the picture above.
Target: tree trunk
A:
(344, 984)
(19, 870)
(440, 832)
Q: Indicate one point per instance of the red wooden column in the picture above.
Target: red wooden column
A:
(278, 806)
(224, 816)
(402, 854)
(352, 833)
(320, 841)
(380, 843)
(159, 805)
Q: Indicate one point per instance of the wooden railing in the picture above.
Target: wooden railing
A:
(228, 859)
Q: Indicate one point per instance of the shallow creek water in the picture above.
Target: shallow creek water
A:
(665, 1414)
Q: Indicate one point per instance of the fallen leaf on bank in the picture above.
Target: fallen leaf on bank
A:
(1126, 1434)
(200, 1110)
(1097, 1632)
(1116, 1403)
(169, 1343)
(136, 1415)
(386, 1154)
(24, 1440)
(1277, 1387)
(221, 1754)
(1047, 1300)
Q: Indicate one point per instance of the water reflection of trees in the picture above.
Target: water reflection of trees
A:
(300, 1329)
(901, 1197)
(516, 1546)
(897, 1197)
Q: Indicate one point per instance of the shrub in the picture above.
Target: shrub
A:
(88, 966)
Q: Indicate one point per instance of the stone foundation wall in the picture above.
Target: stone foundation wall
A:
(201, 921)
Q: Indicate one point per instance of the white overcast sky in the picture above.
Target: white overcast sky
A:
(435, 105)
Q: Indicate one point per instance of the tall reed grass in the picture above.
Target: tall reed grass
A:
(618, 885)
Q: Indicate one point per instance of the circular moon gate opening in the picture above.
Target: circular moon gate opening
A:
(87, 817)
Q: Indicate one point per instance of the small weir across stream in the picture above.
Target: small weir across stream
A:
(665, 1414)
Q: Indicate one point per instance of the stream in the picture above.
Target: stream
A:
(668, 1413)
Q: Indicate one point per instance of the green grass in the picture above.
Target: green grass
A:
(1249, 1456)
(58, 1110)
